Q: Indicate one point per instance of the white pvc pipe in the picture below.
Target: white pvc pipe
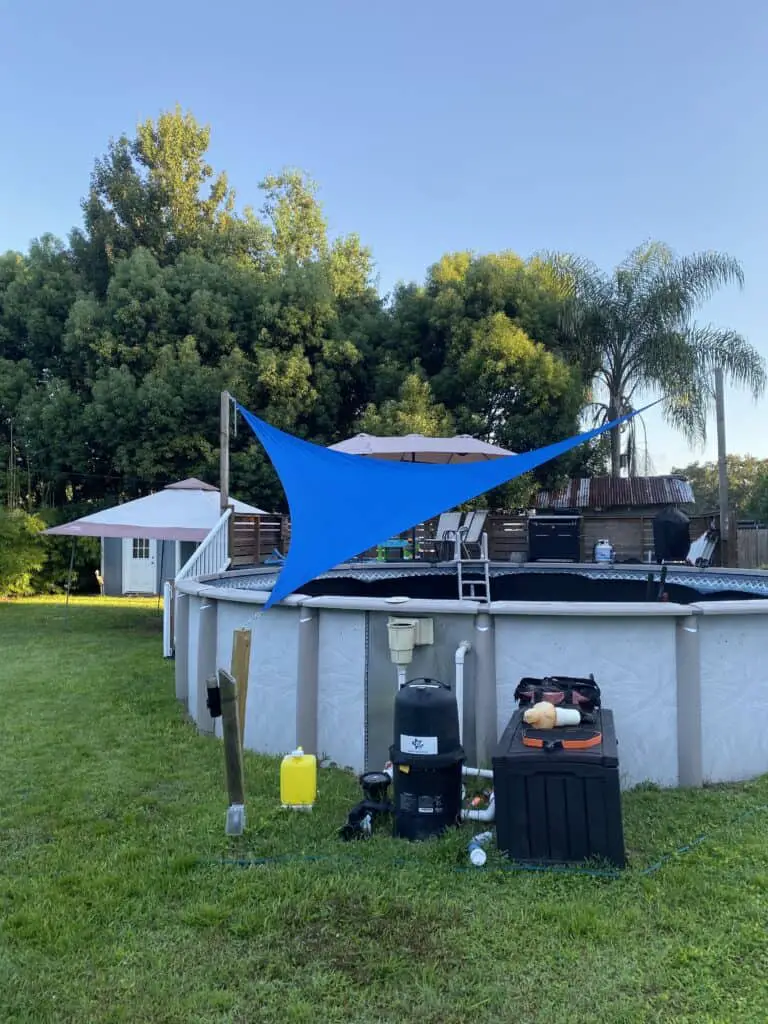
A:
(461, 651)
(487, 814)
(400, 676)
(480, 773)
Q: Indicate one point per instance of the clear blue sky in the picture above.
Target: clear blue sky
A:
(430, 126)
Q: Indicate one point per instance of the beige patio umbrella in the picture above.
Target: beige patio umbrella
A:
(419, 448)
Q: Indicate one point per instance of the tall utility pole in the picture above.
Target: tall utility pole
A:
(224, 451)
(722, 468)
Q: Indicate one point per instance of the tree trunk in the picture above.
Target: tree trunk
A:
(613, 413)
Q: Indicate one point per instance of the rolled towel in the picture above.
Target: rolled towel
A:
(546, 716)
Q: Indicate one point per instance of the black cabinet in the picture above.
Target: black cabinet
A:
(554, 539)
(557, 803)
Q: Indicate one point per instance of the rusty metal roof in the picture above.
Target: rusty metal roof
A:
(600, 492)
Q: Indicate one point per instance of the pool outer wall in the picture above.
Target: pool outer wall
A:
(320, 673)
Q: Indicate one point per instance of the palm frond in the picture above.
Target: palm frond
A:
(580, 277)
(687, 412)
(646, 261)
(696, 278)
(718, 347)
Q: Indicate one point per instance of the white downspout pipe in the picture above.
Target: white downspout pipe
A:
(461, 652)
(487, 814)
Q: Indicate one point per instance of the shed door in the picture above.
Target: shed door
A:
(139, 566)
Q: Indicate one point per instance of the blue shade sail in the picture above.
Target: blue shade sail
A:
(343, 504)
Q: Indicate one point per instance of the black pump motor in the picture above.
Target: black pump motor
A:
(671, 535)
(426, 759)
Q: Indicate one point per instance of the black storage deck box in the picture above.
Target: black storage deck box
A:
(555, 804)
(554, 538)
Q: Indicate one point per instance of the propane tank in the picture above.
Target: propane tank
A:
(604, 551)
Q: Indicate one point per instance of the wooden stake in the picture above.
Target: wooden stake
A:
(230, 728)
(241, 661)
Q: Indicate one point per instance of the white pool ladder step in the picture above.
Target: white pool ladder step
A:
(470, 581)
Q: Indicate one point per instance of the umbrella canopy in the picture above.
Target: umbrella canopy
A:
(418, 448)
(187, 510)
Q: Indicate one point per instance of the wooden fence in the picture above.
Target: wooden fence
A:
(753, 547)
(254, 538)
(631, 536)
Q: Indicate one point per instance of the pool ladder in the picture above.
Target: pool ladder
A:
(469, 584)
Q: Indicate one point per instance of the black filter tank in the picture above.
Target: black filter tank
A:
(671, 535)
(426, 758)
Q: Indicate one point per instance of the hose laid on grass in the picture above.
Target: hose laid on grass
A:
(556, 869)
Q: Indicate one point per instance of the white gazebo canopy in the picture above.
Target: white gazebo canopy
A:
(187, 510)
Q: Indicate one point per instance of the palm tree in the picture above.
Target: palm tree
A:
(637, 325)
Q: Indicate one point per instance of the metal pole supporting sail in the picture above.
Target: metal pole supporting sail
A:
(224, 451)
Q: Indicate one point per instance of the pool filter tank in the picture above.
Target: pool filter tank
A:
(426, 758)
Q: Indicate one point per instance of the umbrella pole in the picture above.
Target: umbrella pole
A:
(69, 579)
(160, 587)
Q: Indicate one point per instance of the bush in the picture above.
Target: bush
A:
(22, 551)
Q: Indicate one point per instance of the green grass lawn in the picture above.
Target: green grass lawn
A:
(116, 906)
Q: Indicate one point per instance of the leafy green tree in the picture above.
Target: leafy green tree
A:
(487, 333)
(758, 500)
(414, 411)
(21, 551)
(637, 323)
(511, 388)
(158, 192)
(299, 229)
(35, 299)
(745, 479)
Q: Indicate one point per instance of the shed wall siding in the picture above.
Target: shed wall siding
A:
(113, 566)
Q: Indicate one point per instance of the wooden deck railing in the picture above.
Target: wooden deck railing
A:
(254, 538)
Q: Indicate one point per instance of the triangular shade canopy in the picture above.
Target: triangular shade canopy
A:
(342, 504)
(187, 510)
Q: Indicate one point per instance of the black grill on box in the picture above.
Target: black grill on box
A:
(558, 805)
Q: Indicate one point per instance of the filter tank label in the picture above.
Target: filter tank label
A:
(418, 744)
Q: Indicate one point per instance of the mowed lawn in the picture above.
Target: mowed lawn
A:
(116, 905)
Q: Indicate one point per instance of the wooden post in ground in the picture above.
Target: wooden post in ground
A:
(733, 542)
(233, 761)
(241, 660)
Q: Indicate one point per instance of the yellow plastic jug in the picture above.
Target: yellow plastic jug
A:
(298, 780)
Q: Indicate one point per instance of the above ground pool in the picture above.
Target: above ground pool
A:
(322, 674)
(533, 582)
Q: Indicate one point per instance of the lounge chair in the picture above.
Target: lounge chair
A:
(446, 536)
(472, 538)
